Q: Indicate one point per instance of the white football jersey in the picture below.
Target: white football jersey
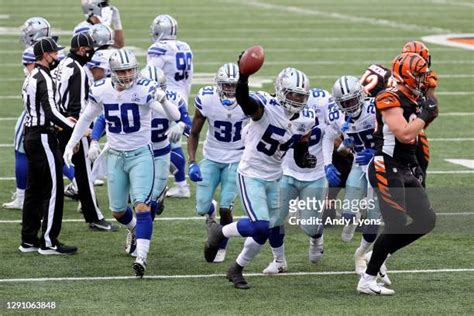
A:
(127, 113)
(267, 140)
(82, 27)
(100, 59)
(176, 60)
(223, 142)
(160, 125)
(313, 117)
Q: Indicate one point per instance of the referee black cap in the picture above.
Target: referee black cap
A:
(45, 45)
(81, 40)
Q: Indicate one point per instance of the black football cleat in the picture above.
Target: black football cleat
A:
(234, 275)
(214, 238)
(139, 266)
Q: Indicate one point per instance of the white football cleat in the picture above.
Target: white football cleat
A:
(368, 285)
(360, 261)
(276, 266)
(220, 257)
(316, 249)
(382, 276)
(349, 230)
(179, 192)
(16, 203)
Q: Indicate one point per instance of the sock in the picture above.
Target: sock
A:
(128, 220)
(317, 236)
(68, 172)
(250, 251)
(277, 234)
(21, 170)
(368, 277)
(20, 194)
(143, 231)
(279, 253)
(231, 230)
(223, 221)
(178, 160)
(370, 233)
(153, 209)
(143, 246)
(211, 210)
(364, 244)
(181, 183)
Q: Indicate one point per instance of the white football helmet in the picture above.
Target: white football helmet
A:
(163, 27)
(33, 29)
(226, 80)
(101, 35)
(124, 68)
(292, 90)
(91, 7)
(155, 74)
(348, 94)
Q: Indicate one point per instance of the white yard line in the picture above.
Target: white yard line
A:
(459, 139)
(433, 172)
(221, 275)
(195, 218)
(344, 17)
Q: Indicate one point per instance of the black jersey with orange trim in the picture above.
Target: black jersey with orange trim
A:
(385, 140)
(375, 79)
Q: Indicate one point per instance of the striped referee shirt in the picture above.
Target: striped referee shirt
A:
(39, 100)
(73, 86)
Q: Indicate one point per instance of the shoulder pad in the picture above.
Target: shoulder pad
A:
(157, 49)
(387, 99)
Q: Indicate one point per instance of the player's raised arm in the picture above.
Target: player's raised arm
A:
(249, 62)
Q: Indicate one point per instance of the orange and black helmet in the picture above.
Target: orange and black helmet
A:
(410, 70)
(419, 48)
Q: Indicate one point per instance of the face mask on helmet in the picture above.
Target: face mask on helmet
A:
(124, 78)
(348, 94)
(292, 90)
(226, 80)
(124, 68)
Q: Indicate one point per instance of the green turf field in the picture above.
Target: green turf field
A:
(325, 39)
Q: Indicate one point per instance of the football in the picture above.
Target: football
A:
(251, 60)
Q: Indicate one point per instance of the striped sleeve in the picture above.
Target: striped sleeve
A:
(46, 97)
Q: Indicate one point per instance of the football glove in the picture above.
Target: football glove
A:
(94, 151)
(363, 158)
(160, 95)
(194, 172)
(429, 110)
(333, 175)
(68, 153)
(174, 132)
